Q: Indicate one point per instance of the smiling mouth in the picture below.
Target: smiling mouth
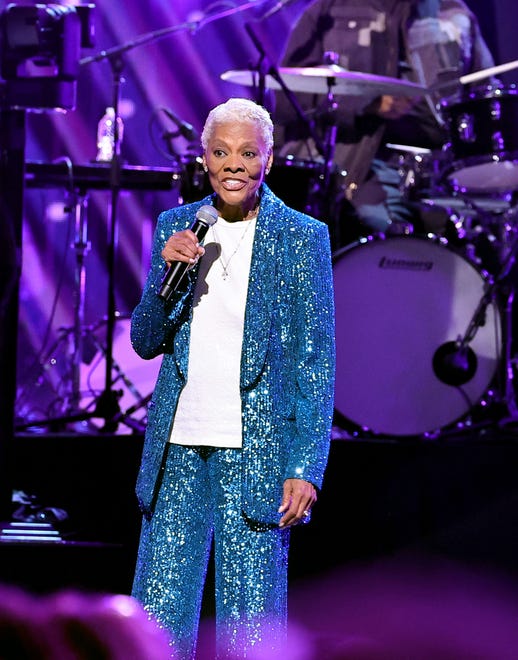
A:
(233, 184)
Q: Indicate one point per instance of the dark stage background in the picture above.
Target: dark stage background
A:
(180, 71)
(450, 498)
(410, 543)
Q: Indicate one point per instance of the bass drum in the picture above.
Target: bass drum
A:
(398, 301)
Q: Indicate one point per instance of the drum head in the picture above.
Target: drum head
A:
(398, 301)
(498, 174)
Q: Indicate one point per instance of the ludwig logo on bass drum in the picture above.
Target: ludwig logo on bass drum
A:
(404, 264)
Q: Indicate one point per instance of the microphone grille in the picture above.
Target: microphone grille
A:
(207, 214)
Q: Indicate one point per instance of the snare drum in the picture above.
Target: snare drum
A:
(483, 141)
(398, 301)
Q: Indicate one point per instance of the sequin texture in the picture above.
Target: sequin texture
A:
(286, 384)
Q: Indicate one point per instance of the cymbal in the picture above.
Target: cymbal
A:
(325, 79)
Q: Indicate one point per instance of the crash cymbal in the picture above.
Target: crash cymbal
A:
(324, 79)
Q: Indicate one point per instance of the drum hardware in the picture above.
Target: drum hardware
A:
(415, 165)
(483, 141)
(401, 301)
(479, 226)
(329, 117)
(262, 78)
(454, 361)
(268, 76)
(468, 355)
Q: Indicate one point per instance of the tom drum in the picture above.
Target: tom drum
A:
(298, 183)
(483, 141)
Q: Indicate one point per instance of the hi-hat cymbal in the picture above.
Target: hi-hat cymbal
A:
(325, 79)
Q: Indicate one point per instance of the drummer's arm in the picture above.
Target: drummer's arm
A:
(390, 107)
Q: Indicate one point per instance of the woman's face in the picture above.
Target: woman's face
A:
(237, 159)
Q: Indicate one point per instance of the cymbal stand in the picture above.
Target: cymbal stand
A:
(331, 125)
(265, 67)
(82, 247)
(322, 196)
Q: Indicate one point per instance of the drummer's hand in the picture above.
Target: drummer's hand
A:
(183, 246)
(391, 107)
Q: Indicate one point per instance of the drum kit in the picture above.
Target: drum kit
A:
(424, 323)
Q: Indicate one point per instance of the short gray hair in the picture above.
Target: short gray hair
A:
(239, 110)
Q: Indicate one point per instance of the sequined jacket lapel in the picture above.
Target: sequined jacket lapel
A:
(287, 377)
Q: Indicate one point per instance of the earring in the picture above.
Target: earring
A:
(205, 168)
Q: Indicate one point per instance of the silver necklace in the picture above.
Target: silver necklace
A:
(224, 266)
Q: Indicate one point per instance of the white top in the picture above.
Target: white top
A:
(209, 407)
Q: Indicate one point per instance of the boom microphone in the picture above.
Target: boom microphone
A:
(206, 216)
(185, 129)
(277, 7)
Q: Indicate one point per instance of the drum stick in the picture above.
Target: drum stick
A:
(408, 148)
(487, 73)
(475, 77)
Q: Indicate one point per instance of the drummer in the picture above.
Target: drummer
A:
(362, 134)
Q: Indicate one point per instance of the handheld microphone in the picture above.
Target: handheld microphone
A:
(186, 130)
(206, 216)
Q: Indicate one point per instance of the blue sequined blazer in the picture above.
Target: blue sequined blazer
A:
(288, 360)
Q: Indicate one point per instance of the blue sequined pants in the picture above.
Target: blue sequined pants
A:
(200, 499)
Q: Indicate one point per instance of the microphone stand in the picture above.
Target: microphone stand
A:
(455, 362)
(107, 405)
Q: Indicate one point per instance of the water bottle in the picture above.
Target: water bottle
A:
(106, 135)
